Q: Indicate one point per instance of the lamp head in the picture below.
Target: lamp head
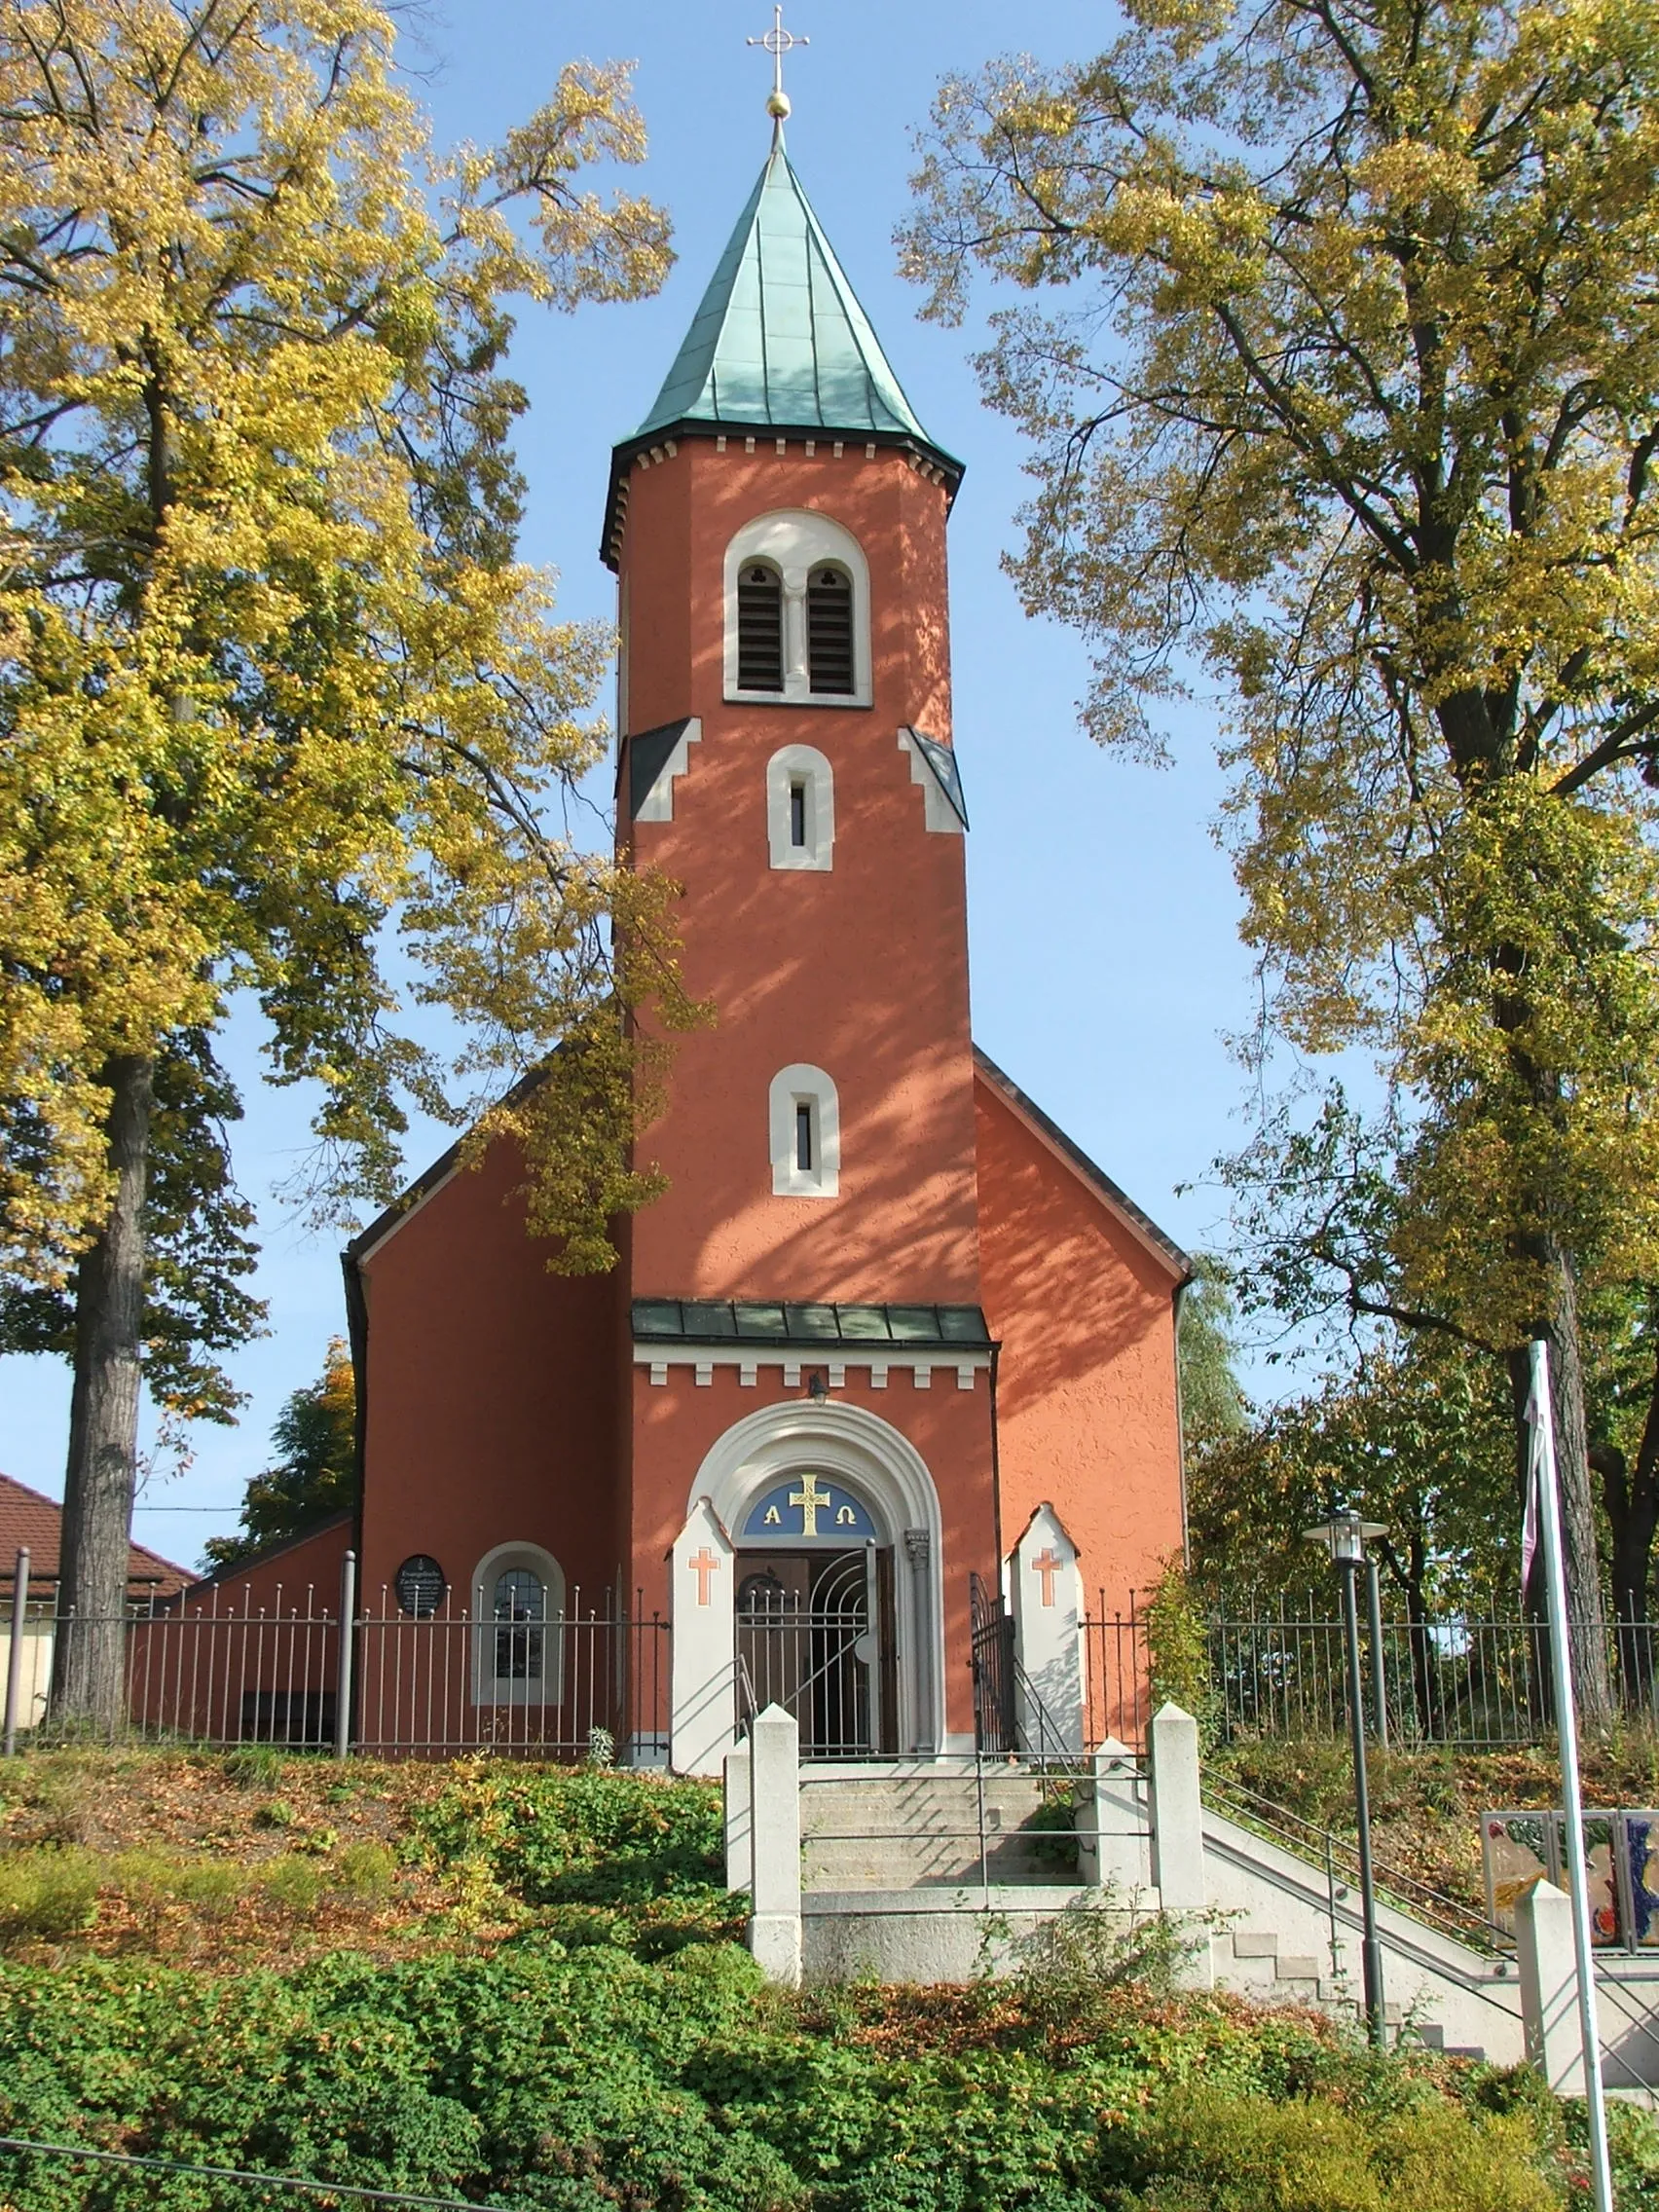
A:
(1344, 1535)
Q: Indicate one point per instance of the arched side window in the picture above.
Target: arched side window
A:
(822, 657)
(759, 627)
(800, 808)
(804, 1125)
(518, 1627)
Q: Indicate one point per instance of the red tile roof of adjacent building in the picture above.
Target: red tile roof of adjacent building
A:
(26, 1516)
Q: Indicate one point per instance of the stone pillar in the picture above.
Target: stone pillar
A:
(918, 1549)
(739, 1853)
(1111, 1823)
(774, 1829)
(1178, 1827)
(1549, 1986)
(1047, 1627)
(703, 1674)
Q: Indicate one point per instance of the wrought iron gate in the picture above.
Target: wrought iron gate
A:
(815, 1656)
(992, 1648)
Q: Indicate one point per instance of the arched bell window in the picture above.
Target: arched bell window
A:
(759, 627)
(798, 611)
(830, 632)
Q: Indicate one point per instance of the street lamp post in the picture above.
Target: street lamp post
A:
(1343, 1537)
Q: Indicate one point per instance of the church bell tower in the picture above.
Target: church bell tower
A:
(777, 524)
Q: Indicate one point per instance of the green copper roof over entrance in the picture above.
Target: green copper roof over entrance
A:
(779, 339)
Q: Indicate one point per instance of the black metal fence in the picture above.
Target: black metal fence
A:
(1454, 1679)
(557, 1684)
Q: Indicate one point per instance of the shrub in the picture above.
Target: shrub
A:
(210, 1887)
(254, 1766)
(293, 1882)
(275, 1812)
(149, 1881)
(364, 1871)
(600, 1747)
(1177, 1648)
(47, 1894)
(1066, 1967)
(1208, 2153)
(579, 1836)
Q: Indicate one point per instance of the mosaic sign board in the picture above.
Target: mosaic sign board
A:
(1640, 1862)
(1621, 1852)
(1517, 1850)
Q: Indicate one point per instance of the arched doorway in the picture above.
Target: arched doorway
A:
(833, 1524)
(814, 1627)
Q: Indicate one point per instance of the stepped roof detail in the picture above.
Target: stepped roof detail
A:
(779, 339)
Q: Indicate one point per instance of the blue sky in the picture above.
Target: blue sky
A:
(1106, 969)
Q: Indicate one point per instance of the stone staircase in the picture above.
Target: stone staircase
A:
(897, 1826)
(1252, 1962)
(877, 1833)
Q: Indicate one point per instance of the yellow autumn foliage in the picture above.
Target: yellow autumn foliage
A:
(275, 692)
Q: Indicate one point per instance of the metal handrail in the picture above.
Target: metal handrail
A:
(1069, 1761)
(1323, 1847)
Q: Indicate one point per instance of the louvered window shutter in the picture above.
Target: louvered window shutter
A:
(759, 628)
(830, 632)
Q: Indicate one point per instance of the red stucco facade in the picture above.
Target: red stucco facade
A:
(520, 1423)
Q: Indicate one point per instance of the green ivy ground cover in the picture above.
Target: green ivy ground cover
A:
(620, 2051)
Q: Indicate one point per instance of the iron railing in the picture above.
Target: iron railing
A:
(553, 1685)
(1337, 1857)
(1451, 1679)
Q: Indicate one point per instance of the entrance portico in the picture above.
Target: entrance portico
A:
(809, 1572)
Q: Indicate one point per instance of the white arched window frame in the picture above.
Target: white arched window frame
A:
(804, 1127)
(800, 808)
(795, 540)
(518, 1660)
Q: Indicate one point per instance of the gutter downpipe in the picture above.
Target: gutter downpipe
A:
(1179, 1299)
(357, 1339)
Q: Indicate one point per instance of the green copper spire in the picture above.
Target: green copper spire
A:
(779, 339)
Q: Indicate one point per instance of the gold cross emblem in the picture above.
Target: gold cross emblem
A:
(812, 1501)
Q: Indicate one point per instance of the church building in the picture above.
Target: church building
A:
(886, 1381)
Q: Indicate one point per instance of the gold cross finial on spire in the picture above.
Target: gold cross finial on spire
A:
(778, 42)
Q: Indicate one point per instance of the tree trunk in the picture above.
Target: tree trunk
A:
(89, 1663)
(1411, 1576)
(1592, 1681)
(1632, 1502)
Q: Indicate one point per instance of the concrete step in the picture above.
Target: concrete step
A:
(1295, 1968)
(948, 1803)
(910, 1831)
(900, 1861)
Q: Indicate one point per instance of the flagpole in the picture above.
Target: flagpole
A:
(1542, 1474)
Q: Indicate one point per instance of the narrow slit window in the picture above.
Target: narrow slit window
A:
(803, 1132)
(830, 632)
(798, 813)
(759, 628)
